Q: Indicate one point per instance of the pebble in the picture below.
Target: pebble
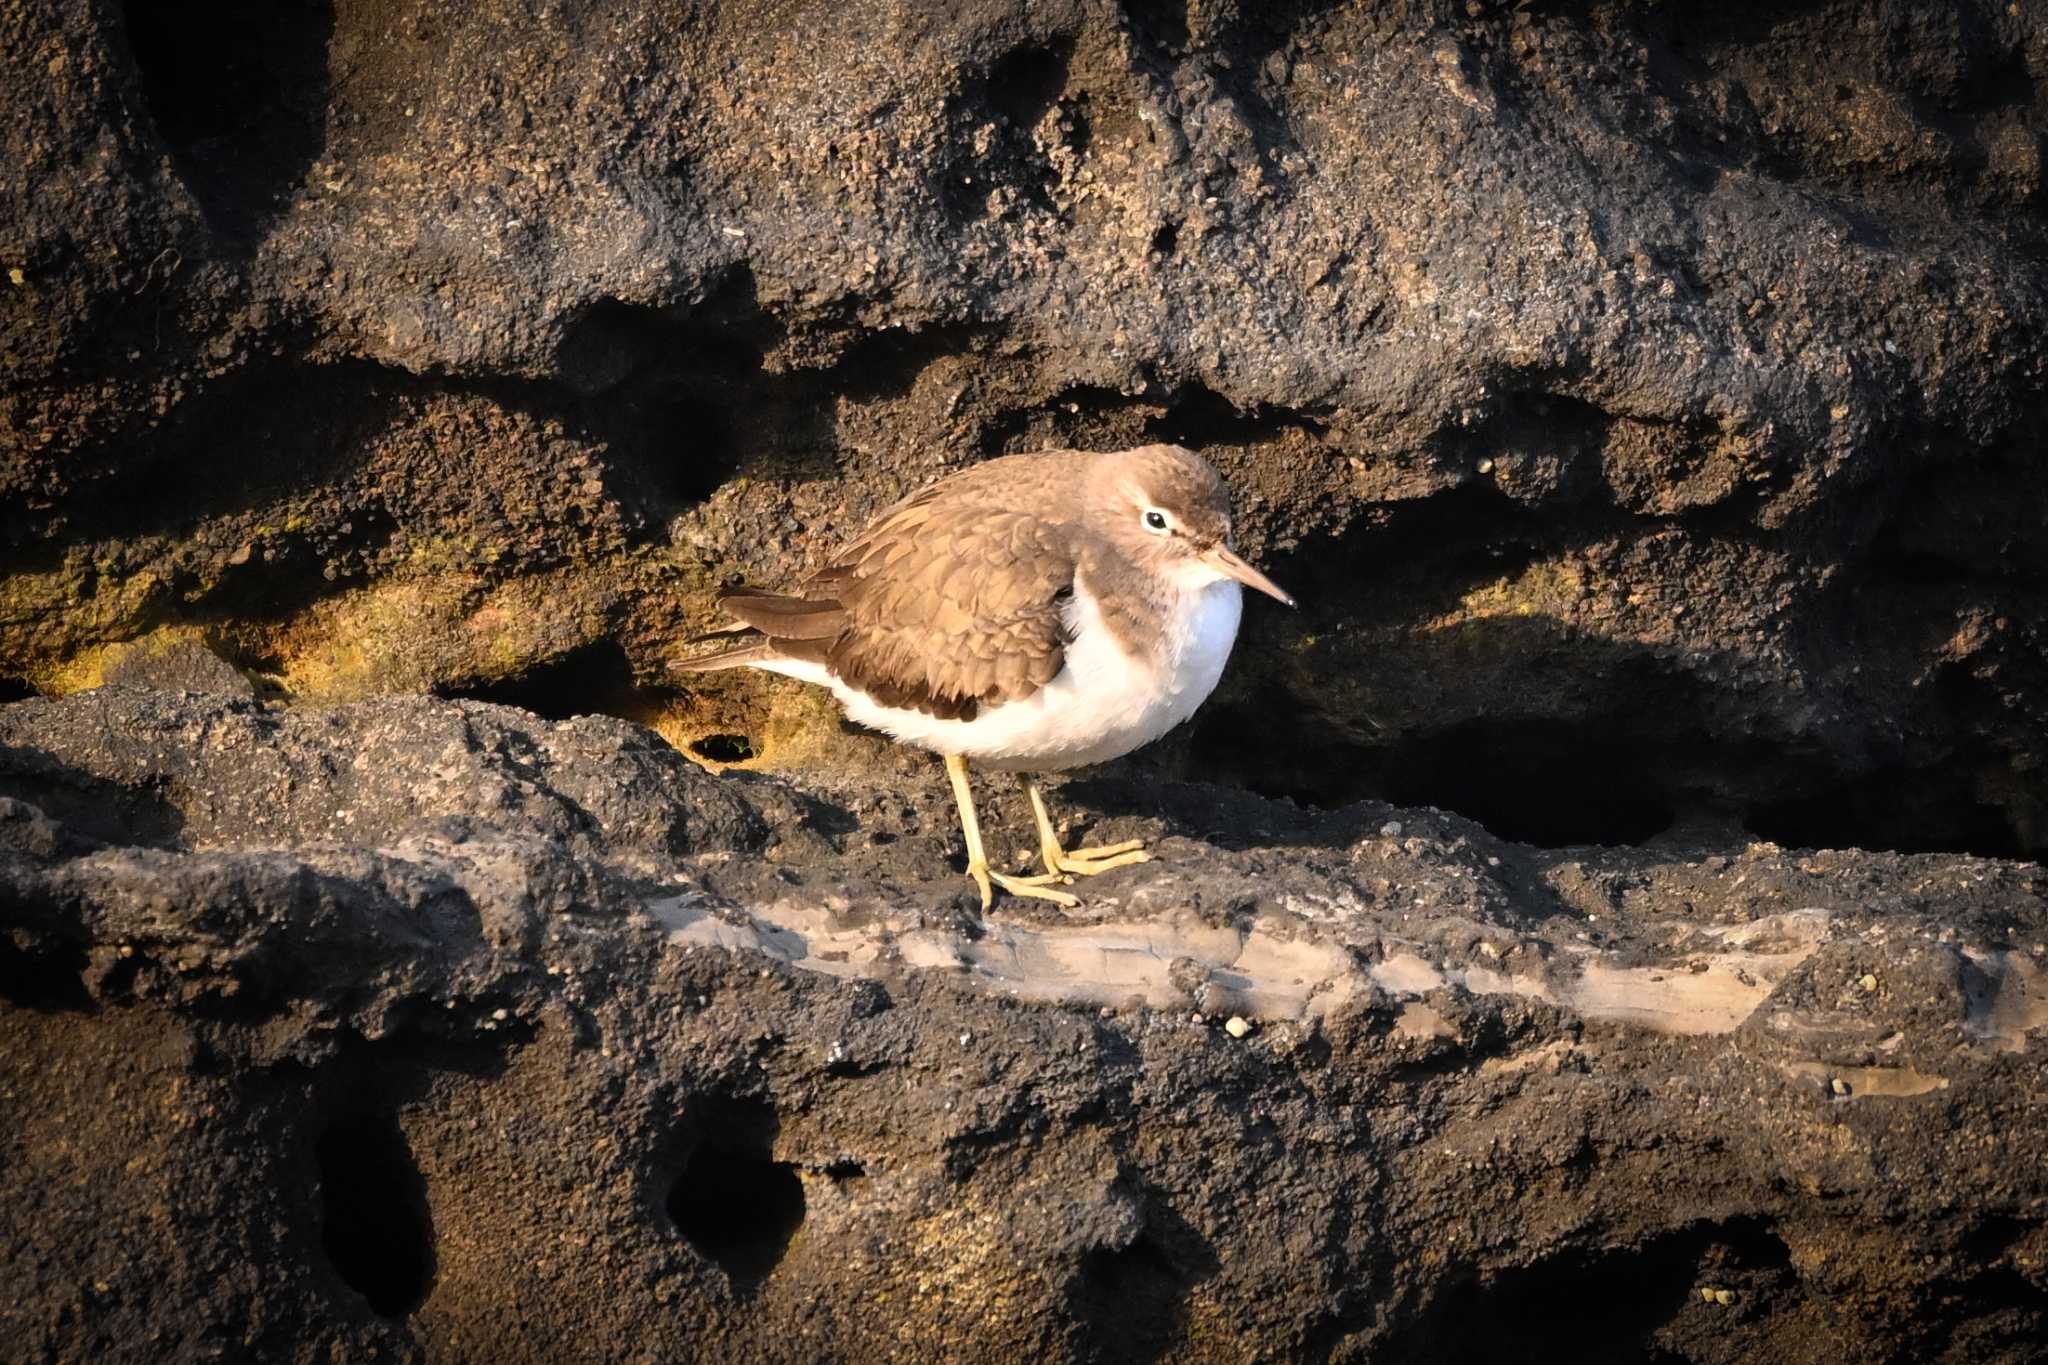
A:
(1236, 1026)
(966, 1039)
(1839, 1086)
(1391, 829)
(1868, 983)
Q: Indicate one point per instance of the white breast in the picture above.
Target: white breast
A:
(1101, 705)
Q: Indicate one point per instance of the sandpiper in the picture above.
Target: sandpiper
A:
(1032, 613)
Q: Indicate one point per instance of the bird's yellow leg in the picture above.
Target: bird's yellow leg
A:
(1079, 862)
(977, 860)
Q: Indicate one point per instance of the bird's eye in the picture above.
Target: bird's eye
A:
(1155, 520)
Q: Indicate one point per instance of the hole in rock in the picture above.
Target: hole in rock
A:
(376, 1227)
(596, 679)
(1549, 785)
(1167, 240)
(723, 748)
(238, 90)
(1895, 812)
(1024, 84)
(697, 448)
(1130, 1299)
(733, 1201)
(1161, 24)
(15, 689)
(48, 981)
(1198, 416)
(1541, 1313)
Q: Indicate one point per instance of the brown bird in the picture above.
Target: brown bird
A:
(1033, 613)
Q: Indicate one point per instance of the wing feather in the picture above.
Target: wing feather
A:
(943, 606)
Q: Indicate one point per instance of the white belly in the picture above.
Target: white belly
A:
(1101, 705)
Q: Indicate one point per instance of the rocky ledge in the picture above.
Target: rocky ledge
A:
(426, 1029)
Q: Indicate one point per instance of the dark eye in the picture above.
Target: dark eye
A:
(1155, 521)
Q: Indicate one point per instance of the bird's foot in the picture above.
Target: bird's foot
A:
(1032, 888)
(1088, 862)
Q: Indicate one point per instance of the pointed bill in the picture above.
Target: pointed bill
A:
(1224, 560)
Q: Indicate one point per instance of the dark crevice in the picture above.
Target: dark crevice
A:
(723, 748)
(1536, 1313)
(1015, 95)
(886, 362)
(732, 1201)
(1894, 810)
(90, 806)
(1131, 1300)
(248, 442)
(595, 680)
(238, 92)
(376, 1226)
(1198, 417)
(1160, 26)
(1027, 82)
(1082, 417)
(49, 980)
(1550, 785)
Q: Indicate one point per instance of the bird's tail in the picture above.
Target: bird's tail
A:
(768, 626)
(747, 646)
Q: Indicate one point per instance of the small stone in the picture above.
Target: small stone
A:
(1868, 983)
(1236, 1026)
(501, 1015)
(1706, 1295)
(1724, 1297)
(15, 275)
(1839, 1086)
(1486, 466)
(1196, 1018)
(966, 1039)
(1391, 829)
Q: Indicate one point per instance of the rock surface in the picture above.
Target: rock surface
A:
(423, 1029)
(1642, 400)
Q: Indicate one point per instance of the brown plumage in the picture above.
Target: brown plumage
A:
(1032, 612)
(943, 606)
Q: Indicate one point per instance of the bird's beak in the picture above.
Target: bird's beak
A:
(1224, 560)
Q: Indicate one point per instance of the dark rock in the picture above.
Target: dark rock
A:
(1642, 401)
(184, 667)
(550, 1027)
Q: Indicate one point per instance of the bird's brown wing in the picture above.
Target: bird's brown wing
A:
(950, 609)
(942, 606)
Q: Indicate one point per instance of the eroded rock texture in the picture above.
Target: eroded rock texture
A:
(1643, 400)
(428, 1030)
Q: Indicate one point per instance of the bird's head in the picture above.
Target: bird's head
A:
(1169, 512)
